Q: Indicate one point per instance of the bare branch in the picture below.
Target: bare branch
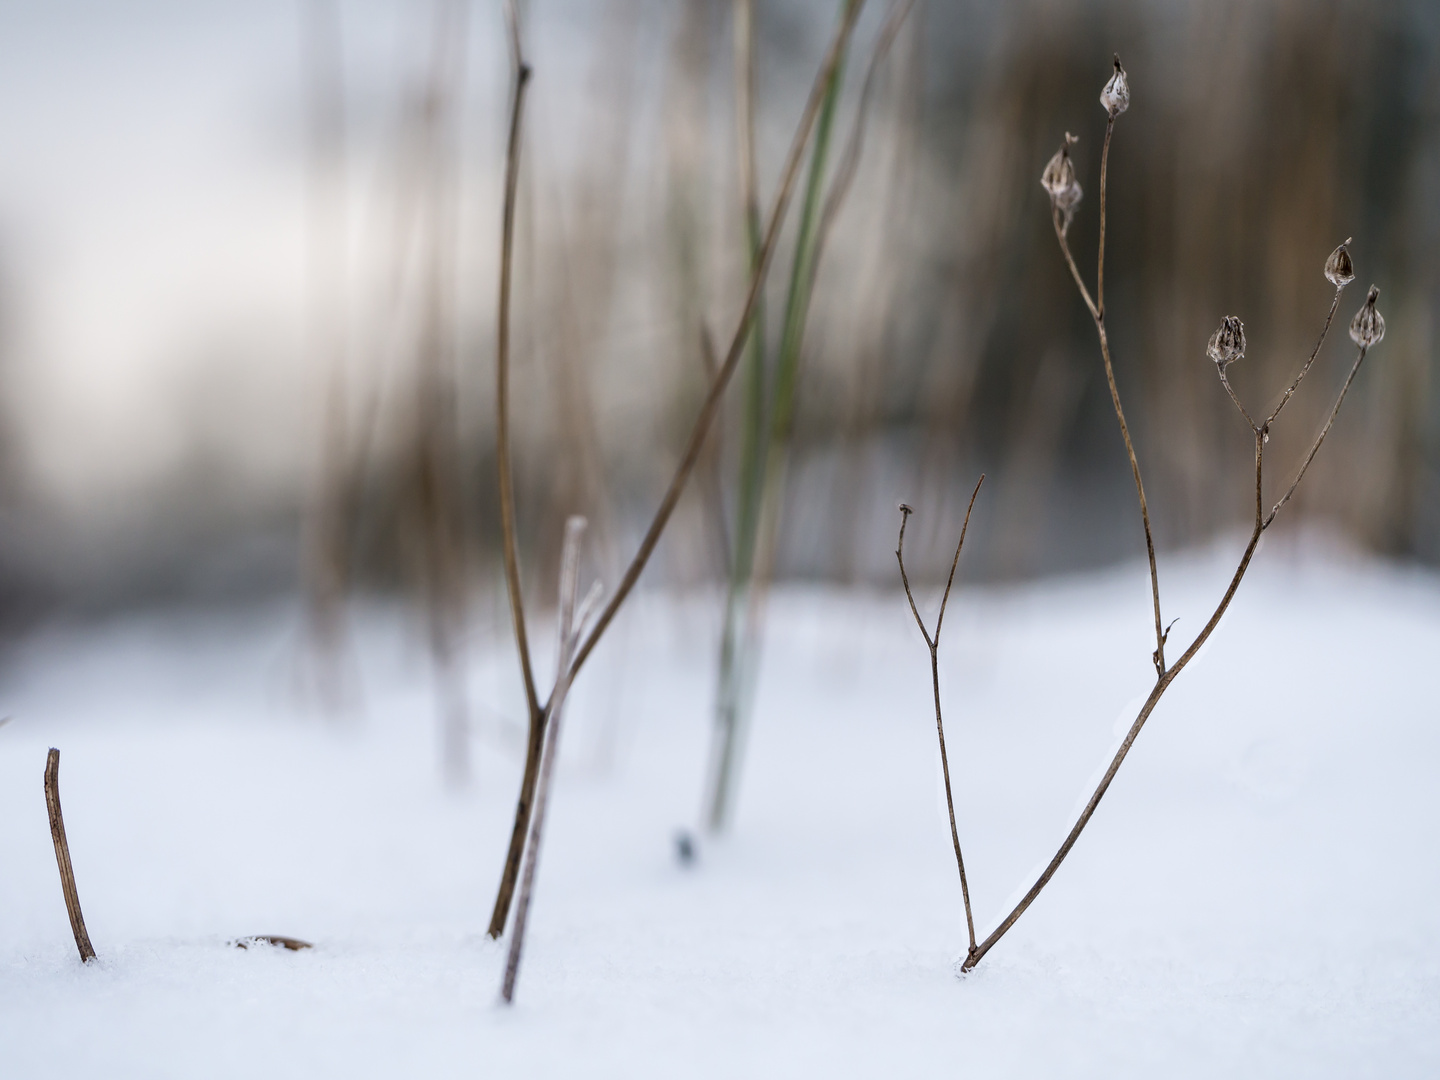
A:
(62, 856)
(956, 560)
(521, 79)
(1315, 448)
(1289, 392)
(1097, 312)
(933, 644)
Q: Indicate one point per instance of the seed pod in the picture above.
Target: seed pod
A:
(1338, 268)
(1116, 95)
(1059, 180)
(1227, 344)
(1368, 326)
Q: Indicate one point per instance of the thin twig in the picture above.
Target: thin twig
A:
(1161, 685)
(1225, 382)
(502, 358)
(1314, 449)
(1097, 312)
(521, 73)
(569, 579)
(62, 856)
(1290, 390)
(933, 644)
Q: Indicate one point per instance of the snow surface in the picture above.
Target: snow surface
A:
(1255, 897)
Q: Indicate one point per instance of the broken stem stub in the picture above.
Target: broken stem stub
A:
(62, 856)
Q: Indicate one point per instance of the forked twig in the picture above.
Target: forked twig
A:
(569, 579)
(1227, 346)
(62, 856)
(933, 644)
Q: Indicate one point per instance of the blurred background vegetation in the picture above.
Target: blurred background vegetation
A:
(248, 258)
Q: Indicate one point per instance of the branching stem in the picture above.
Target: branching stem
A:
(1165, 675)
(688, 458)
(933, 644)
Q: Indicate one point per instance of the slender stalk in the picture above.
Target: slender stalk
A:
(536, 737)
(1097, 312)
(729, 690)
(933, 644)
(1290, 390)
(741, 646)
(1225, 382)
(686, 465)
(569, 579)
(1315, 448)
(62, 856)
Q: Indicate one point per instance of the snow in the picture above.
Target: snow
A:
(1255, 896)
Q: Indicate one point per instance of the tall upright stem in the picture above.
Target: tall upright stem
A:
(1097, 312)
(536, 734)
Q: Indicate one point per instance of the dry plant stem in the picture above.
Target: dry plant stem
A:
(1262, 522)
(1315, 448)
(507, 495)
(934, 646)
(1290, 390)
(62, 856)
(690, 455)
(1097, 312)
(569, 578)
(502, 362)
(737, 343)
(1161, 685)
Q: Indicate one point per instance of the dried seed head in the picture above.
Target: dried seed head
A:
(1227, 344)
(1368, 326)
(1059, 180)
(1116, 95)
(1338, 268)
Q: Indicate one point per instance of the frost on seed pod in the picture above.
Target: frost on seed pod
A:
(1368, 326)
(1059, 180)
(1338, 268)
(1116, 95)
(1227, 344)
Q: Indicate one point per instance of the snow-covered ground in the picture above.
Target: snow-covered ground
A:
(1256, 896)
